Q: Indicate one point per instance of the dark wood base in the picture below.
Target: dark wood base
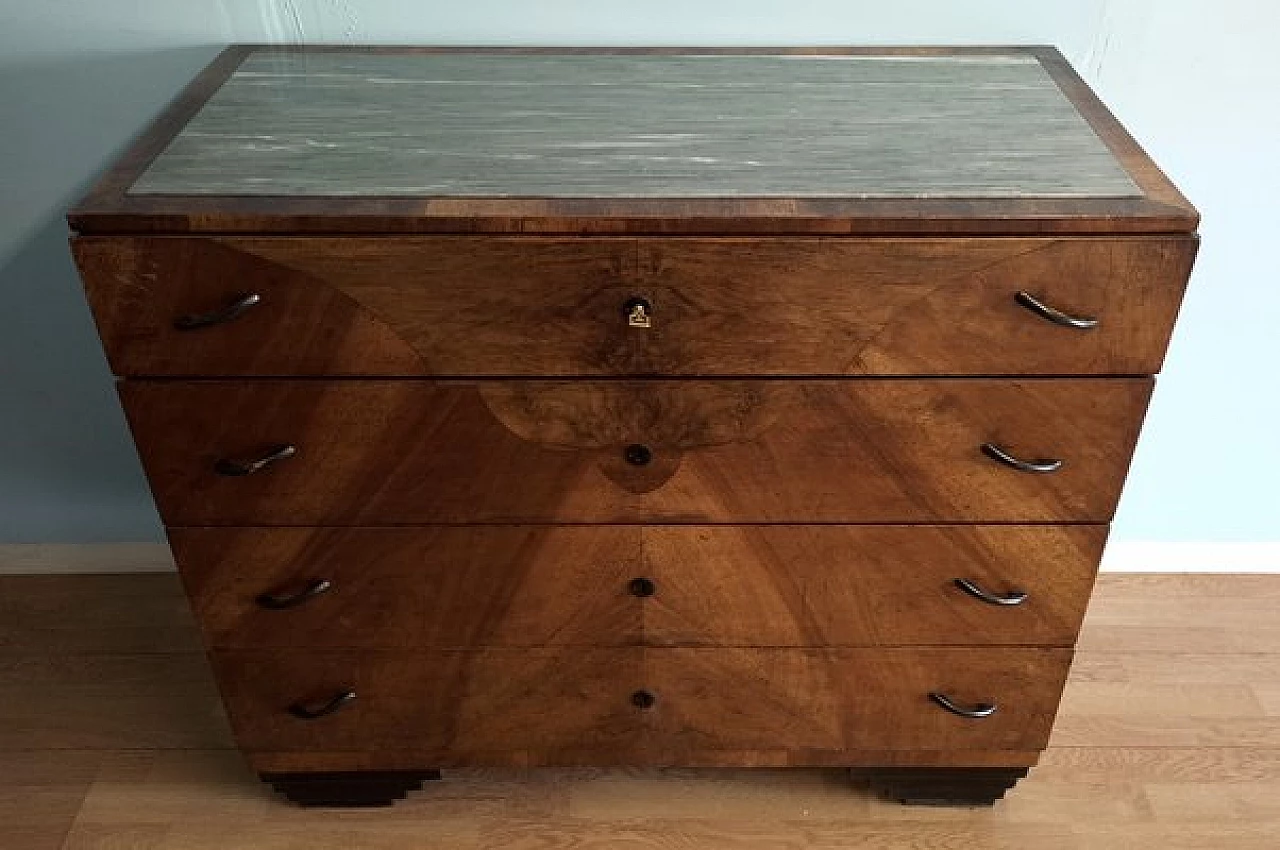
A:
(349, 789)
(911, 786)
(944, 786)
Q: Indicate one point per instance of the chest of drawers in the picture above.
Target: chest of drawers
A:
(662, 408)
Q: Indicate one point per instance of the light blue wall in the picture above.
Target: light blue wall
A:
(1197, 84)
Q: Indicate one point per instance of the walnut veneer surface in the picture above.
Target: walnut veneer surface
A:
(416, 306)
(112, 738)
(539, 407)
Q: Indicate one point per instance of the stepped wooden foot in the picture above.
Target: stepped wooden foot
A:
(944, 786)
(348, 789)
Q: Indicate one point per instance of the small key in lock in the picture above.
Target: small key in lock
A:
(639, 313)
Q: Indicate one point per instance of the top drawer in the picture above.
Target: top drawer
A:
(520, 306)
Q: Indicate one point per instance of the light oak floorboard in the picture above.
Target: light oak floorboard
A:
(111, 736)
(109, 614)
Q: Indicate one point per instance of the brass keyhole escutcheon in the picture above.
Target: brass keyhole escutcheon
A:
(639, 313)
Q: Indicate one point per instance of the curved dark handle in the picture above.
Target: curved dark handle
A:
(307, 712)
(1017, 597)
(237, 308)
(248, 467)
(973, 712)
(1042, 465)
(278, 602)
(1053, 314)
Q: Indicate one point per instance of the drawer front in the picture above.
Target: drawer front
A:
(496, 706)
(473, 306)
(494, 586)
(411, 452)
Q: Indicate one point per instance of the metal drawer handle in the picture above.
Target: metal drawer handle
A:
(1017, 597)
(1043, 465)
(1053, 314)
(278, 602)
(307, 712)
(195, 321)
(974, 712)
(236, 468)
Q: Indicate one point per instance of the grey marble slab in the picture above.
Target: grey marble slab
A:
(561, 125)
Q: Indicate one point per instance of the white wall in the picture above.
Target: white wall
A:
(1198, 84)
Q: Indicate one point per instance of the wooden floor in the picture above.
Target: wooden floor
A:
(111, 736)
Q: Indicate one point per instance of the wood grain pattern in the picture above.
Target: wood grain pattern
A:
(416, 587)
(151, 689)
(805, 586)
(102, 700)
(153, 783)
(1171, 699)
(481, 532)
(41, 792)
(409, 452)
(144, 614)
(192, 800)
(1150, 613)
(490, 306)
(1163, 210)
(517, 706)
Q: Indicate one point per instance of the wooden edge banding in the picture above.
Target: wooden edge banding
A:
(1154, 182)
(386, 216)
(108, 208)
(109, 191)
(320, 760)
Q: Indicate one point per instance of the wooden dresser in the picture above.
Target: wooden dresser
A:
(671, 407)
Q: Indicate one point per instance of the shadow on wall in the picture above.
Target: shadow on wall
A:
(68, 472)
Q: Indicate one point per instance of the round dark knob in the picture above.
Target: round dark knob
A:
(642, 587)
(638, 455)
(643, 699)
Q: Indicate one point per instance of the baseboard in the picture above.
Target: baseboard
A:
(1124, 557)
(1120, 557)
(66, 558)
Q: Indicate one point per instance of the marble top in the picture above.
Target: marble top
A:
(350, 123)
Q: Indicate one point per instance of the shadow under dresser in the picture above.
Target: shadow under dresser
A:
(636, 407)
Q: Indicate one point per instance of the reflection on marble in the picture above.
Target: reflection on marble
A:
(356, 123)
